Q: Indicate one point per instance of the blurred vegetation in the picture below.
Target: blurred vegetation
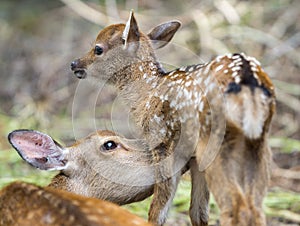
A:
(39, 39)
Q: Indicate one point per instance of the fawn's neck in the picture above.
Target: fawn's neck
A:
(140, 73)
(140, 84)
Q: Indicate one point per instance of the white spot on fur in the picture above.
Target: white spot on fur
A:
(254, 69)
(234, 74)
(218, 59)
(188, 83)
(141, 68)
(182, 69)
(201, 106)
(162, 131)
(253, 59)
(173, 103)
(219, 67)
(236, 68)
(236, 57)
(207, 120)
(154, 84)
(147, 105)
(163, 97)
(199, 66)
(149, 79)
(231, 65)
(237, 79)
(157, 119)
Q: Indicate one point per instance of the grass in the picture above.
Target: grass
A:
(286, 145)
(279, 204)
(13, 168)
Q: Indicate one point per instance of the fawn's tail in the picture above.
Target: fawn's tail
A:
(250, 98)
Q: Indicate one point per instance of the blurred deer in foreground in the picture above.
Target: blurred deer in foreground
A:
(87, 168)
(193, 102)
(23, 204)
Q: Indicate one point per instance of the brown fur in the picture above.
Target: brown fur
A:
(242, 179)
(23, 204)
(88, 169)
(232, 88)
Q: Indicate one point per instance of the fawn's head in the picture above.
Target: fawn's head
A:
(102, 165)
(119, 46)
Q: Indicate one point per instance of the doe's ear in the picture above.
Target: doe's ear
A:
(162, 34)
(131, 34)
(38, 149)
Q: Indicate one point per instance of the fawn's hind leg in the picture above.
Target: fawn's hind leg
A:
(199, 208)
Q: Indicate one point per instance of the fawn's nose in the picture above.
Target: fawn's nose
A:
(78, 69)
(74, 64)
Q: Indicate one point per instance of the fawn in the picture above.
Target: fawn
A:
(23, 204)
(218, 112)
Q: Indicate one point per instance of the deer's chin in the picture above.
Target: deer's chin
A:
(80, 73)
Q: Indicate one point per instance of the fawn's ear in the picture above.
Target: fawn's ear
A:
(38, 149)
(162, 34)
(131, 34)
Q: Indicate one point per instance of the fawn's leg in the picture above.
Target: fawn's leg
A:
(163, 195)
(238, 179)
(257, 182)
(166, 182)
(222, 182)
(199, 207)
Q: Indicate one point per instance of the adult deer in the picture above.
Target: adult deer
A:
(87, 168)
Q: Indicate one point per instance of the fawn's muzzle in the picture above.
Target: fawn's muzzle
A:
(78, 70)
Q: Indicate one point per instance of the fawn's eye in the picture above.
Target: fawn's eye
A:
(98, 50)
(109, 145)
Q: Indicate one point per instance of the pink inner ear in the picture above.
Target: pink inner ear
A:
(38, 149)
(32, 144)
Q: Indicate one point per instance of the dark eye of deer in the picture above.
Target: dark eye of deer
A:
(98, 50)
(109, 145)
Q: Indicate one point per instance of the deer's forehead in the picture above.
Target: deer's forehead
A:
(110, 33)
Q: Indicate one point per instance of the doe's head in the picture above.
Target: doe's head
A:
(102, 165)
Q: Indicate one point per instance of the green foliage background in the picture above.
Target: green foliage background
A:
(39, 39)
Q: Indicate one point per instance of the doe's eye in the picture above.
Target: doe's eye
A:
(109, 145)
(98, 50)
